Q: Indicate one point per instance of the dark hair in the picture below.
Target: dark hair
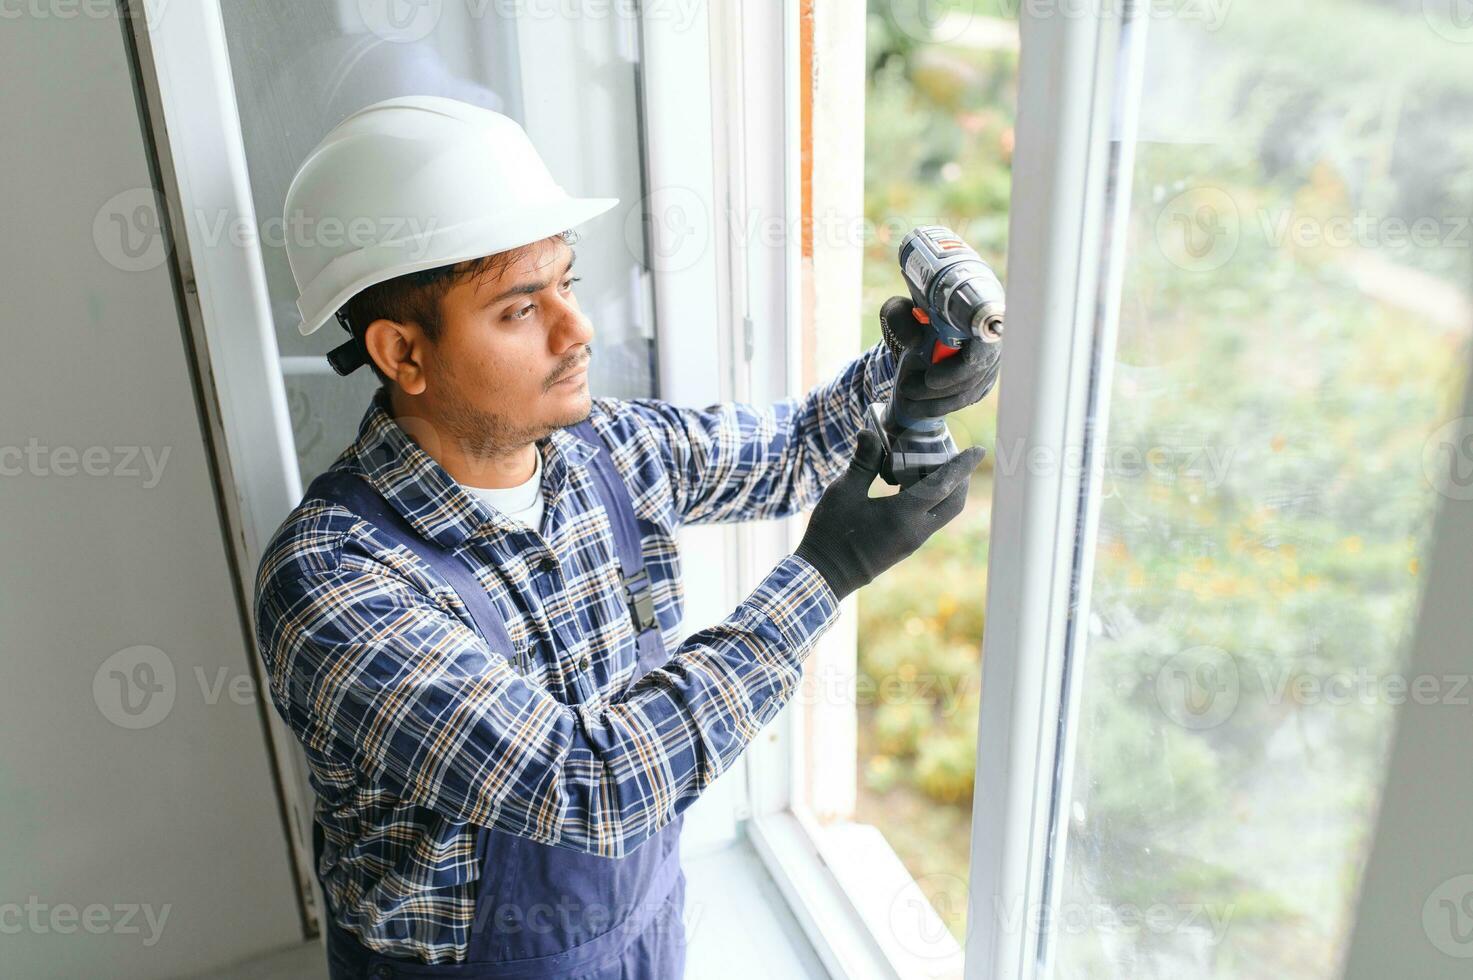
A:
(415, 296)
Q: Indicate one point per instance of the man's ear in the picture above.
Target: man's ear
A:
(399, 351)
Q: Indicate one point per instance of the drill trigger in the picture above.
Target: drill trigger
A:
(941, 352)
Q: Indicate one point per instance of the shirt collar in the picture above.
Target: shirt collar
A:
(419, 488)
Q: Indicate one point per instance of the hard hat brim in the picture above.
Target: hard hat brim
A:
(435, 247)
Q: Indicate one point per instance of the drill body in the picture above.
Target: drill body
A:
(957, 297)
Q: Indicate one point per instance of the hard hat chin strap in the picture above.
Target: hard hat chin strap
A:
(348, 357)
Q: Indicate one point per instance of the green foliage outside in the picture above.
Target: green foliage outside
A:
(1281, 400)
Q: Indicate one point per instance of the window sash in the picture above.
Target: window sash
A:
(1074, 74)
(1078, 90)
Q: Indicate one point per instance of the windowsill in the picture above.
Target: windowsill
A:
(737, 921)
(737, 924)
(860, 907)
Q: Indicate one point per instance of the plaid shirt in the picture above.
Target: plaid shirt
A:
(416, 732)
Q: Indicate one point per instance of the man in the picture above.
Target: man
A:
(470, 622)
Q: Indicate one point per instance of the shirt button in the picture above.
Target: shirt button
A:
(585, 660)
(547, 564)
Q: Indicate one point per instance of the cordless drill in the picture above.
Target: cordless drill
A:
(957, 297)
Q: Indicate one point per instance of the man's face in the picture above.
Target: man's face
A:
(510, 364)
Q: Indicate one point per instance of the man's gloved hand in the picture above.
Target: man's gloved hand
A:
(926, 390)
(852, 537)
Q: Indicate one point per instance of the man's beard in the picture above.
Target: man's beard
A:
(487, 435)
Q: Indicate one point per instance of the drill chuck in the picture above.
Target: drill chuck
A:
(950, 283)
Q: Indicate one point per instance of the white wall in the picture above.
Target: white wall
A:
(105, 824)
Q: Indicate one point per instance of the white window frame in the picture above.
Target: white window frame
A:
(757, 112)
(1078, 96)
(1076, 85)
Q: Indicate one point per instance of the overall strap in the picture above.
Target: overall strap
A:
(359, 496)
(614, 493)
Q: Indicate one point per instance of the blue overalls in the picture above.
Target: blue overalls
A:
(542, 911)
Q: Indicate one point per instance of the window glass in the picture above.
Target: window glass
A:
(300, 68)
(1290, 344)
(939, 108)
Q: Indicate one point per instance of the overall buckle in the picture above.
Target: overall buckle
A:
(641, 599)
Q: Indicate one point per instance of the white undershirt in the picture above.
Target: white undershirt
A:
(522, 503)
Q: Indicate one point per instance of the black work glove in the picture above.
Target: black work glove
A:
(926, 390)
(852, 537)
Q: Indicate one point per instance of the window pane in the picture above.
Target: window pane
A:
(300, 68)
(1290, 345)
(939, 108)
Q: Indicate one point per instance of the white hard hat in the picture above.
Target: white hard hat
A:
(413, 183)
